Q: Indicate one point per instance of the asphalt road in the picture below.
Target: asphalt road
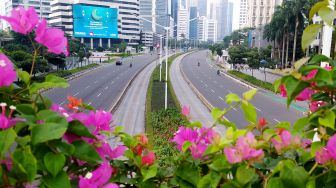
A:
(214, 88)
(101, 87)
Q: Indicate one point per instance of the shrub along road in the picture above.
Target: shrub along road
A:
(214, 88)
(101, 87)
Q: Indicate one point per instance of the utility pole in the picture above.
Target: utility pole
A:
(166, 87)
(160, 58)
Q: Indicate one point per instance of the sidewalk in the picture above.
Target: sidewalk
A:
(260, 75)
(186, 96)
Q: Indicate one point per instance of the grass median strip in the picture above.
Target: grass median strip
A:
(252, 80)
(161, 123)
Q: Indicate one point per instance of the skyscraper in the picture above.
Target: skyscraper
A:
(174, 12)
(243, 14)
(183, 19)
(146, 12)
(193, 23)
(202, 7)
(224, 19)
(163, 14)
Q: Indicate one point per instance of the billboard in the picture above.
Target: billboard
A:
(95, 21)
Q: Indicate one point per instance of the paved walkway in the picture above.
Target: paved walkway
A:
(260, 75)
(186, 96)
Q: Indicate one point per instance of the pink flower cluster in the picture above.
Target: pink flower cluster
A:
(96, 122)
(25, 21)
(7, 71)
(199, 138)
(6, 121)
(147, 157)
(285, 140)
(328, 153)
(244, 150)
(303, 96)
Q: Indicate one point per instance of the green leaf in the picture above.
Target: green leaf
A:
(245, 175)
(300, 125)
(315, 9)
(195, 124)
(211, 179)
(118, 129)
(77, 128)
(47, 131)
(54, 162)
(61, 180)
(249, 112)
(189, 173)
(25, 162)
(277, 84)
(294, 177)
(232, 97)
(216, 114)
(67, 149)
(275, 183)
(310, 34)
(311, 183)
(298, 64)
(149, 172)
(317, 59)
(51, 81)
(186, 146)
(284, 125)
(86, 152)
(327, 15)
(328, 120)
(25, 109)
(7, 138)
(249, 94)
(219, 164)
(24, 76)
(315, 147)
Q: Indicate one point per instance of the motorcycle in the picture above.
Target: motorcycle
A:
(130, 64)
(218, 72)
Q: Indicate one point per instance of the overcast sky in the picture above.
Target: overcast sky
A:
(235, 21)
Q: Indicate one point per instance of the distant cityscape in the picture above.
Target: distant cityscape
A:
(142, 22)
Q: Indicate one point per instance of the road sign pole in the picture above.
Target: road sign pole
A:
(160, 57)
(166, 88)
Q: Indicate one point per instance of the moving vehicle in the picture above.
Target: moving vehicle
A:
(119, 62)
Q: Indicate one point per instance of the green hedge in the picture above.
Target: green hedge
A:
(252, 80)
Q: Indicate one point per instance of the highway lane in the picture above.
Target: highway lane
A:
(101, 87)
(214, 88)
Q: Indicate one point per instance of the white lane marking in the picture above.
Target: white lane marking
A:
(234, 109)
(62, 103)
(212, 91)
(206, 85)
(87, 87)
(95, 82)
(99, 94)
(89, 103)
(76, 94)
(276, 120)
(258, 109)
(221, 98)
(106, 87)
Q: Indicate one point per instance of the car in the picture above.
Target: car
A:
(119, 62)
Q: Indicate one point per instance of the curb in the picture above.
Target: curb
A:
(198, 94)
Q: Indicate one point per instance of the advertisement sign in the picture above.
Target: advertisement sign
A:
(94, 21)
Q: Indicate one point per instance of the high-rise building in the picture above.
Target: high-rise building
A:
(174, 12)
(224, 19)
(243, 14)
(193, 23)
(182, 20)
(201, 28)
(128, 21)
(147, 13)
(211, 30)
(202, 7)
(42, 7)
(256, 13)
(163, 15)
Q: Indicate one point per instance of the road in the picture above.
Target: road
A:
(101, 87)
(214, 88)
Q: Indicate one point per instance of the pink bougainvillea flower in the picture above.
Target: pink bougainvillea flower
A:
(310, 75)
(21, 20)
(111, 185)
(142, 138)
(105, 150)
(7, 71)
(197, 150)
(327, 153)
(261, 123)
(8, 163)
(285, 140)
(6, 121)
(100, 120)
(186, 111)
(244, 150)
(148, 159)
(315, 105)
(97, 178)
(184, 134)
(305, 94)
(331, 147)
(52, 38)
(117, 152)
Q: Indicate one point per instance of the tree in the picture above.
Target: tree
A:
(237, 55)
(253, 59)
(226, 42)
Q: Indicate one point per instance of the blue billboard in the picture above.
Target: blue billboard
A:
(94, 21)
